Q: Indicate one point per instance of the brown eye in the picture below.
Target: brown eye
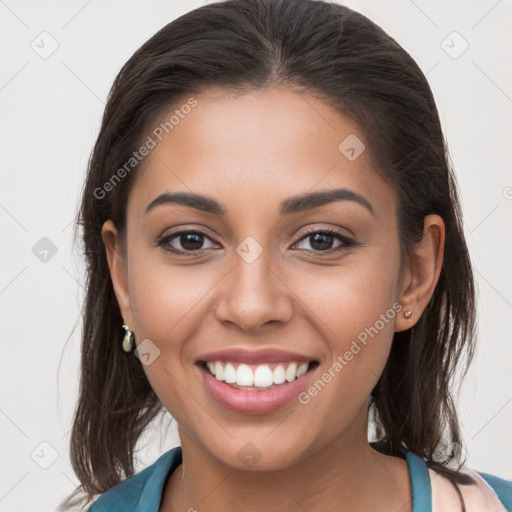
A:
(323, 240)
(183, 241)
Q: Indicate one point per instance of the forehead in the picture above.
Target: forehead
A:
(256, 149)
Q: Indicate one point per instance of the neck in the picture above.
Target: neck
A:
(344, 475)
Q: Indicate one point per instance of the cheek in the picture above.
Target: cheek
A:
(355, 306)
(349, 298)
(163, 303)
(170, 305)
(360, 311)
(166, 298)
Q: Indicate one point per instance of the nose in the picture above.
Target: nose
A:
(254, 294)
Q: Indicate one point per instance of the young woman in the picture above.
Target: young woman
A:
(276, 258)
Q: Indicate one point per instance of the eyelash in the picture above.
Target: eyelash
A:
(346, 242)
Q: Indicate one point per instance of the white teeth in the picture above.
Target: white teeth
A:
(244, 375)
(278, 375)
(230, 374)
(219, 371)
(291, 372)
(262, 376)
(303, 368)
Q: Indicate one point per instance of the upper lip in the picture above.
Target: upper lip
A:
(243, 355)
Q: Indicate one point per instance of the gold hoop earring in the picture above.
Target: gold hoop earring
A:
(128, 340)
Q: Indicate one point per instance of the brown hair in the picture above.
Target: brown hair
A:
(339, 55)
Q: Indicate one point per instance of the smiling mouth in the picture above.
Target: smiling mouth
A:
(257, 377)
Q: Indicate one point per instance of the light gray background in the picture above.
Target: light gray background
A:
(51, 109)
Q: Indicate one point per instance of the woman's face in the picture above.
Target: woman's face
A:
(262, 292)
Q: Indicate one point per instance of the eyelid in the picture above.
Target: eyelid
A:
(331, 231)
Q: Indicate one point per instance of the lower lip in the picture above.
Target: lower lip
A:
(253, 402)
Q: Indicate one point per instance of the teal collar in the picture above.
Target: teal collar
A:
(143, 491)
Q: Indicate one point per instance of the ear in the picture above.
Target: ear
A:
(421, 274)
(118, 269)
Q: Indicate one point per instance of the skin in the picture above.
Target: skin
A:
(250, 152)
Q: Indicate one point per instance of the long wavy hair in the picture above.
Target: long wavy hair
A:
(336, 54)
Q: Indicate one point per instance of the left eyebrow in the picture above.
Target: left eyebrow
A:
(289, 206)
(316, 199)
